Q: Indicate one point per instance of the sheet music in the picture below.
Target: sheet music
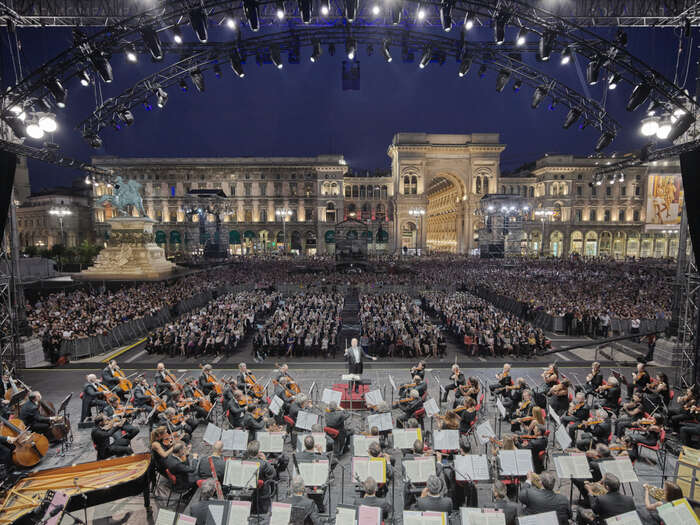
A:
(365, 467)
(446, 440)
(472, 516)
(212, 434)
(361, 443)
(331, 396)
(405, 437)
(238, 512)
(215, 512)
(185, 519)
(431, 407)
(270, 441)
(515, 462)
(241, 474)
(630, 518)
(500, 407)
(344, 515)
(314, 473)
(573, 466)
(281, 513)
(373, 397)
(306, 420)
(382, 421)
(165, 517)
(524, 461)
(678, 512)
(276, 405)
(319, 439)
(543, 518)
(484, 432)
(554, 415)
(622, 467)
(472, 467)
(235, 439)
(414, 517)
(562, 437)
(367, 515)
(350, 377)
(419, 469)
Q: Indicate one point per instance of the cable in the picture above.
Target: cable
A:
(12, 56)
(687, 66)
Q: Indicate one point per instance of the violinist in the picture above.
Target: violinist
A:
(559, 396)
(176, 423)
(536, 442)
(648, 432)
(162, 384)
(685, 409)
(524, 410)
(457, 379)
(161, 447)
(657, 392)
(550, 376)
(594, 379)
(182, 466)
(418, 384)
(336, 418)
(610, 394)
(92, 397)
(576, 413)
(189, 396)
(235, 409)
(504, 380)
(598, 428)
(32, 418)
(513, 394)
(640, 380)
(205, 382)
(471, 389)
(631, 412)
(418, 370)
(467, 416)
(408, 407)
(252, 419)
(112, 437)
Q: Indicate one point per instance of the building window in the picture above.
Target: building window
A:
(292, 189)
(247, 188)
(330, 212)
(637, 190)
(579, 215)
(579, 190)
(263, 215)
(308, 214)
(591, 216)
(606, 216)
(278, 189)
(263, 188)
(363, 193)
(173, 216)
(594, 191)
(172, 191)
(532, 191)
(635, 216)
(623, 191)
(248, 215)
(347, 192)
(608, 191)
(355, 192)
(621, 215)
(384, 192)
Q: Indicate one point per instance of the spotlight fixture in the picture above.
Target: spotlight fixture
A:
(47, 122)
(84, 78)
(420, 13)
(376, 10)
(34, 131)
(199, 22)
(395, 10)
(446, 14)
(59, 93)
(482, 71)
(183, 86)
(468, 21)
(152, 42)
(639, 94)
(351, 7)
(236, 65)
(571, 117)
(604, 141)
(280, 10)
(230, 21)
(385, 51)
(275, 57)
(197, 79)
(316, 53)
(350, 48)
(177, 34)
(538, 96)
(566, 55)
(546, 44)
(305, 8)
(681, 126)
(522, 37)
(517, 85)
(593, 71)
(325, 7)
(465, 65)
(250, 8)
(126, 116)
(130, 52)
(102, 66)
(664, 129)
(17, 126)
(650, 125)
(18, 112)
(499, 27)
(161, 97)
(502, 80)
(614, 80)
(217, 70)
(425, 59)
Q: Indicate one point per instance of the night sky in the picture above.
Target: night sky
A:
(301, 110)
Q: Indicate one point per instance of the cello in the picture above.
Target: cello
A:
(124, 384)
(253, 386)
(212, 379)
(58, 428)
(30, 447)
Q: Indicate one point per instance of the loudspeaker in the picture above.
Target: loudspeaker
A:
(690, 171)
(8, 165)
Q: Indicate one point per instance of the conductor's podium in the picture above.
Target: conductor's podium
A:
(352, 400)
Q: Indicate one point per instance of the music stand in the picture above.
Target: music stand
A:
(66, 443)
(16, 398)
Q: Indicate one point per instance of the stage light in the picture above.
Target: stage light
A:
(280, 10)
(604, 141)
(17, 126)
(502, 80)
(18, 112)
(275, 57)
(385, 51)
(566, 55)
(376, 10)
(482, 71)
(499, 27)
(44, 103)
(546, 44)
(351, 7)
(197, 79)
(230, 21)
(161, 97)
(538, 96)
(236, 65)
(350, 48)
(305, 10)
(47, 122)
(593, 71)
(614, 80)
(664, 128)
(34, 131)
(420, 14)
(316, 54)
(649, 126)
(217, 70)
(131, 54)
(517, 85)
(465, 65)
(152, 42)
(199, 22)
(639, 94)
(522, 37)
(183, 86)
(325, 7)
(102, 66)
(571, 117)
(425, 59)
(681, 126)
(84, 78)
(250, 8)
(59, 93)
(469, 21)
(395, 10)
(127, 117)
(446, 15)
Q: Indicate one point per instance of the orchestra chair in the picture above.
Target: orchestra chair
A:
(420, 416)
(180, 492)
(332, 432)
(658, 448)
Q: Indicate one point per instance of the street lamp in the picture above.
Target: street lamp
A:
(543, 215)
(417, 212)
(283, 214)
(61, 213)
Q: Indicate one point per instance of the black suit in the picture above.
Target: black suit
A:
(309, 508)
(235, 413)
(509, 508)
(185, 474)
(29, 413)
(541, 500)
(204, 469)
(355, 364)
(374, 501)
(108, 378)
(91, 397)
(611, 504)
(435, 504)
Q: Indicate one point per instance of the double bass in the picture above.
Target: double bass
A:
(30, 447)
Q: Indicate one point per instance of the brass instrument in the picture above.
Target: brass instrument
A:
(596, 488)
(656, 492)
(536, 481)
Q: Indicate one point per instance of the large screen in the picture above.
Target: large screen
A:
(664, 200)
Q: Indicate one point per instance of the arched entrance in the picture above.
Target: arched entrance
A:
(444, 195)
(310, 243)
(619, 245)
(535, 242)
(633, 245)
(576, 243)
(265, 244)
(295, 244)
(591, 246)
(556, 244)
(409, 233)
(605, 245)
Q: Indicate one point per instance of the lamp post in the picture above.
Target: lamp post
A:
(543, 215)
(61, 213)
(283, 214)
(417, 212)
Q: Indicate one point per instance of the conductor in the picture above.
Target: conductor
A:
(355, 356)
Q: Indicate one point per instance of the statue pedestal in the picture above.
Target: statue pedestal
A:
(130, 254)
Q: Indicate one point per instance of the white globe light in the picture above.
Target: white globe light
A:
(324, 10)
(34, 131)
(280, 14)
(48, 124)
(649, 126)
(231, 23)
(375, 10)
(664, 129)
(421, 14)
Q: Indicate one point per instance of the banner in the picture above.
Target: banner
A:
(664, 201)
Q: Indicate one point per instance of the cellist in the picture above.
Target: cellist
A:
(205, 382)
(162, 380)
(109, 379)
(91, 397)
(32, 418)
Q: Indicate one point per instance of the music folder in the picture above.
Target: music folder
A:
(446, 440)
(271, 441)
(405, 437)
(472, 467)
(367, 515)
(212, 434)
(364, 467)
(632, 518)
(415, 517)
(515, 462)
(314, 473)
(473, 516)
(241, 473)
(543, 518)
(382, 421)
(306, 420)
(281, 513)
(276, 405)
(418, 470)
(169, 517)
(234, 439)
(573, 466)
(373, 398)
(345, 515)
(331, 396)
(431, 407)
(622, 467)
(678, 512)
(228, 512)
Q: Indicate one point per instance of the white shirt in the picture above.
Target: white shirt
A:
(356, 354)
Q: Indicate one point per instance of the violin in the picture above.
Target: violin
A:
(287, 390)
(647, 421)
(203, 401)
(590, 423)
(604, 387)
(176, 419)
(576, 408)
(404, 400)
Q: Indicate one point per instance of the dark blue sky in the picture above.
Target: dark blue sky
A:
(302, 110)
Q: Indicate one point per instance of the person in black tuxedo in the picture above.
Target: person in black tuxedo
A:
(29, 414)
(110, 438)
(200, 509)
(431, 499)
(308, 515)
(204, 468)
(355, 357)
(612, 503)
(545, 499)
(336, 418)
(182, 468)
(91, 397)
(500, 501)
(370, 498)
